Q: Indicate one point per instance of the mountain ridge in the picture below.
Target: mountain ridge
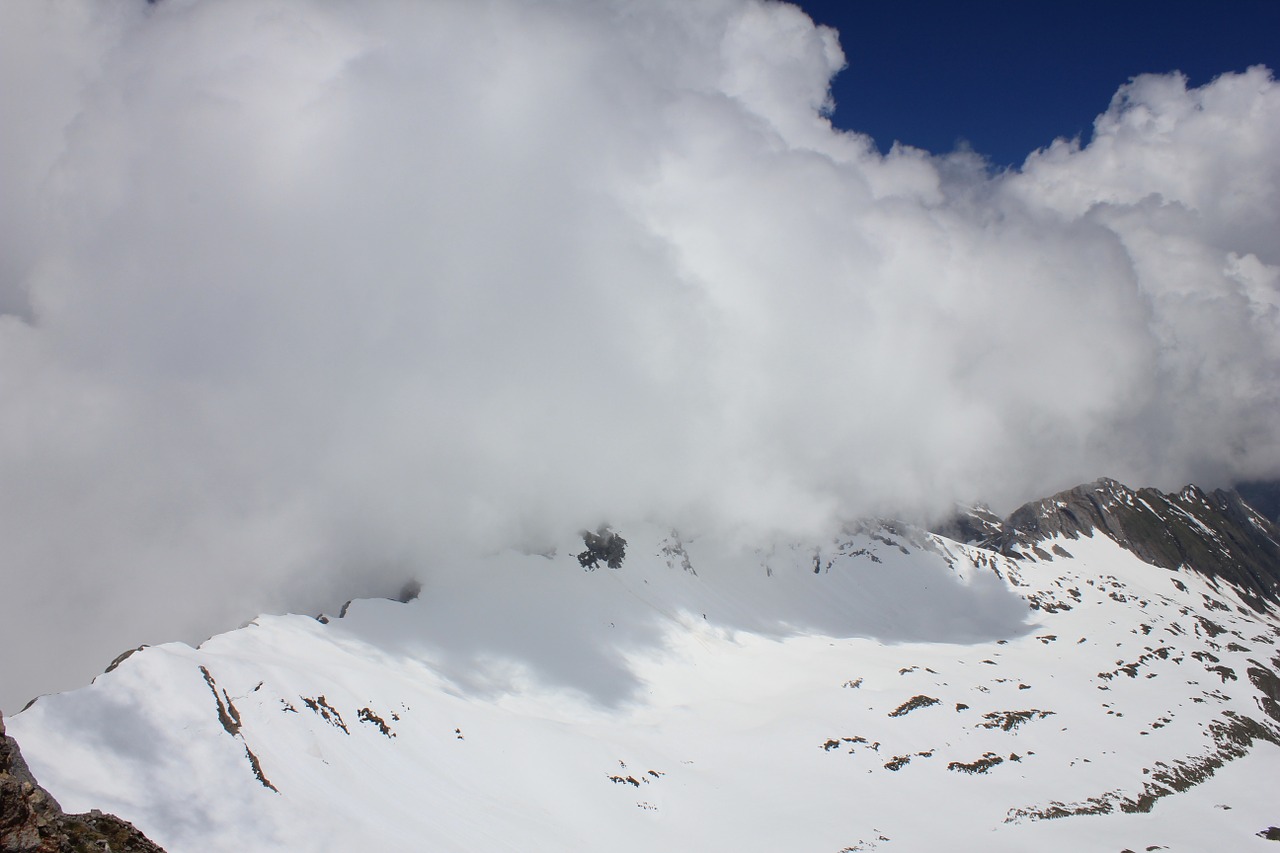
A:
(1215, 533)
(817, 696)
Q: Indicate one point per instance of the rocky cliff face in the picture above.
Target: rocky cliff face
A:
(1214, 533)
(31, 821)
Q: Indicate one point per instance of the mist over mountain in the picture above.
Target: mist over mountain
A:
(1101, 672)
(303, 299)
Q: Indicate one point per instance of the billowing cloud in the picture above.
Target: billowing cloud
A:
(299, 296)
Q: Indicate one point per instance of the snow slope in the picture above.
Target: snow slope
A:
(891, 690)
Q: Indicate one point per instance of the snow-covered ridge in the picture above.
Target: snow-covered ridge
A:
(819, 697)
(1214, 533)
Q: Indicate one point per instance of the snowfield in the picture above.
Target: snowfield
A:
(891, 690)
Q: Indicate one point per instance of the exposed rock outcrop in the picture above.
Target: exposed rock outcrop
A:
(603, 546)
(31, 821)
(970, 524)
(1214, 533)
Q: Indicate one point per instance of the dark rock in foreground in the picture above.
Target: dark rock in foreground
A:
(31, 821)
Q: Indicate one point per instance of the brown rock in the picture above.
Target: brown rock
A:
(31, 821)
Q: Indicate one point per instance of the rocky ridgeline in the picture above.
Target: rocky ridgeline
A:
(31, 821)
(1214, 533)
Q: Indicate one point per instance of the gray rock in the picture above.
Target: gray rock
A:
(1216, 534)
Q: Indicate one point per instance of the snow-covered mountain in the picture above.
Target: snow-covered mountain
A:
(1099, 671)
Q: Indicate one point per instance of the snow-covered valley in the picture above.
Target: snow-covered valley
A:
(890, 690)
(304, 301)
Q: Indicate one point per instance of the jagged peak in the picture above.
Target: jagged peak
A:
(1215, 533)
(1191, 492)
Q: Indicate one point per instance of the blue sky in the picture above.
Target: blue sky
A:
(1009, 77)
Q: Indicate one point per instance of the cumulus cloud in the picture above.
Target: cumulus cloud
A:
(296, 297)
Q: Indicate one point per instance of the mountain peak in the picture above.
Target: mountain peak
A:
(1215, 533)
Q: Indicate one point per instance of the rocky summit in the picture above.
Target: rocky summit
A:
(1214, 533)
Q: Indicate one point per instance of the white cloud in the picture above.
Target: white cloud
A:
(301, 295)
